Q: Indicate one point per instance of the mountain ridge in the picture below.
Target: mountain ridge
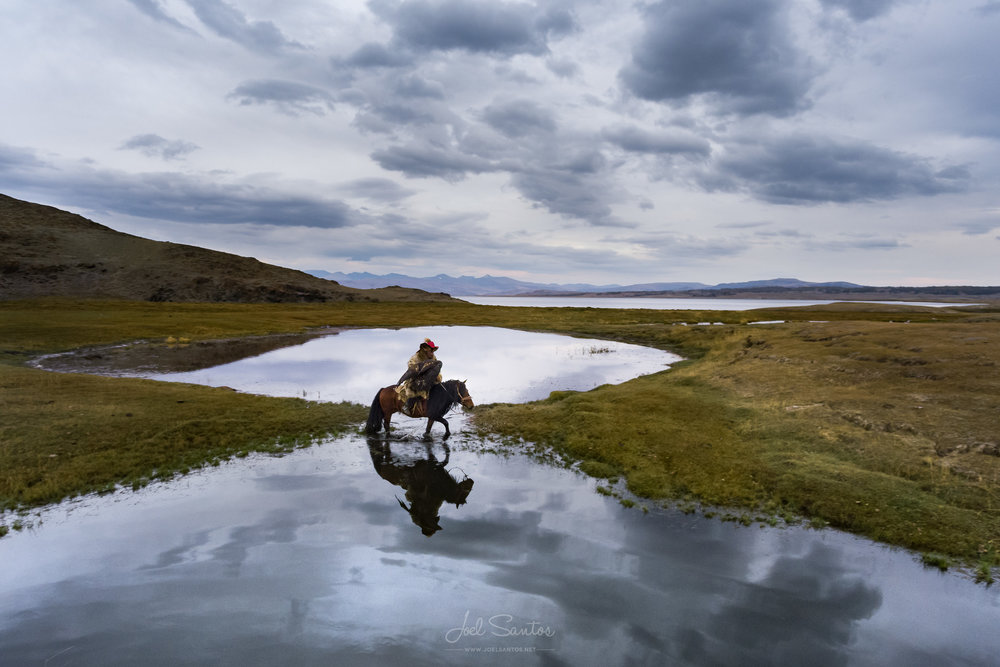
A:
(48, 252)
(488, 285)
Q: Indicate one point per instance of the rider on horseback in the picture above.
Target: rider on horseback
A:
(423, 371)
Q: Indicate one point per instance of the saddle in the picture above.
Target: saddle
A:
(415, 407)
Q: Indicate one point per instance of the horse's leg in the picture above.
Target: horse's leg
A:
(388, 407)
(431, 420)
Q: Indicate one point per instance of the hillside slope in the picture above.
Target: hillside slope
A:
(45, 251)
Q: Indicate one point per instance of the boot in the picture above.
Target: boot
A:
(410, 405)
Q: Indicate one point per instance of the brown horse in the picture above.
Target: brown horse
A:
(439, 401)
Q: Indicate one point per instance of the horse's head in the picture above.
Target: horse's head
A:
(463, 394)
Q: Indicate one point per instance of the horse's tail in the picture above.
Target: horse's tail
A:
(375, 415)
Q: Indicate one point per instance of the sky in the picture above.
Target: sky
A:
(552, 141)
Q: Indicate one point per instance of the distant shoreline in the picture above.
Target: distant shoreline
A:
(946, 294)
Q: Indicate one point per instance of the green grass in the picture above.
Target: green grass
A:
(879, 420)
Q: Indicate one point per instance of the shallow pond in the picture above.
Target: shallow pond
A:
(357, 551)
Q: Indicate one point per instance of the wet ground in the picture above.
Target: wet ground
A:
(371, 552)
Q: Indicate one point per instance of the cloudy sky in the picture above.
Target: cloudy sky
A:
(587, 140)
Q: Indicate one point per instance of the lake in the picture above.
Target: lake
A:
(654, 303)
(360, 551)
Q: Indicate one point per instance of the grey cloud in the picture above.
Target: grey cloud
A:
(373, 55)
(415, 86)
(500, 28)
(811, 170)
(861, 10)
(519, 118)
(430, 161)
(855, 242)
(637, 140)
(564, 69)
(742, 225)
(979, 227)
(289, 97)
(154, 10)
(168, 195)
(153, 145)
(680, 248)
(738, 54)
(569, 195)
(583, 162)
(182, 198)
(399, 114)
(377, 189)
(227, 21)
(990, 8)
(13, 159)
(782, 233)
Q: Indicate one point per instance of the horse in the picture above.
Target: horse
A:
(439, 401)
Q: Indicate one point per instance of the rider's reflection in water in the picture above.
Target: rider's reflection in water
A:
(427, 483)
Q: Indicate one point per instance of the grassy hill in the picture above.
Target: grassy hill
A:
(46, 252)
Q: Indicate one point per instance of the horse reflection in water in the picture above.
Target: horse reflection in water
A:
(427, 483)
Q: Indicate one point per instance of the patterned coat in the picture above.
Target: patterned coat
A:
(407, 388)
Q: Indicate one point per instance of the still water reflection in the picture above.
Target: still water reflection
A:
(501, 365)
(310, 559)
(368, 552)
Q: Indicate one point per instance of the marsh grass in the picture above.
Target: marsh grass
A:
(881, 420)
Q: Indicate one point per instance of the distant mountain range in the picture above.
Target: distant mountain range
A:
(500, 286)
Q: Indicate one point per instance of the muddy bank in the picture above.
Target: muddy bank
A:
(171, 355)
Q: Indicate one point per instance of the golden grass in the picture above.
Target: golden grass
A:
(881, 420)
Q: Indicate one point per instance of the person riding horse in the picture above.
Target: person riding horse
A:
(423, 371)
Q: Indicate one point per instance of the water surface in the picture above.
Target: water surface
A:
(365, 551)
(655, 303)
(501, 365)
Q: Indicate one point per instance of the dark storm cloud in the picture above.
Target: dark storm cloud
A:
(153, 145)
(738, 54)
(519, 118)
(289, 97)
(861, 10)
(167, 195)
(227, 21)
(499, 28)
(813, 170)
(637, 140)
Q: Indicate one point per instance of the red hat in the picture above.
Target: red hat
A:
(429, 343)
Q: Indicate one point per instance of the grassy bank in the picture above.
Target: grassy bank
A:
(877, 419)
